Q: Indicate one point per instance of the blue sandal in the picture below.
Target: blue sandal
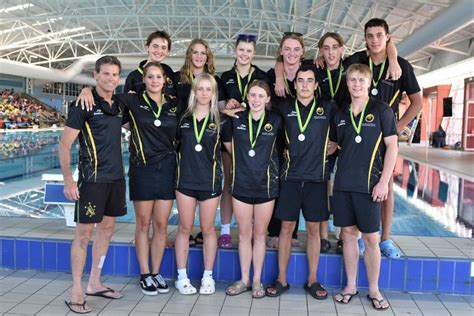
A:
(388, 249)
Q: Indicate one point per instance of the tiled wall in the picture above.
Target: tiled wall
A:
(429, 275)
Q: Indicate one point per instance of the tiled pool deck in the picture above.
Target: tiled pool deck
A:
(433, 278)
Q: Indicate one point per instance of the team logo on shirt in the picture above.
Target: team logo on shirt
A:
(369, 118)
(173, 110)
(212, 126)
(320, 111)
(268, 127)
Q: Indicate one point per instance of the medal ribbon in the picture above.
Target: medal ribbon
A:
(358, 127)
(371, 66)
(331, 86)
(156, 114)
(199, 134)
(298, 116)
(260, 124)
(140, 70)
(239, 83)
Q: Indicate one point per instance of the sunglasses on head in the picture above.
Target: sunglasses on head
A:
(293, 33)
(249, 37)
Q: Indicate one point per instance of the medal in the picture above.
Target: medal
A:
(157, 121)
(374, 91)
(302, 127)
(198, 134)
(244, 105)
(253, 141)
(358, 127)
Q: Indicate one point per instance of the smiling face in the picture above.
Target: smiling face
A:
(257, 98)
(199, 56)
(305, 84)
(332, 52)
(292, 51)
(107, 78)
(204, 92)
(158, 49)
(376, 39)
(244, 53)
(154, 80)
(358, 84)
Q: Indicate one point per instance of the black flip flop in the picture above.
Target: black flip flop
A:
(316, 286)
(199, 239)
(373, 300)
(104, 292)
(83, 305)
(279, 289)
(350, 295)
(192, 241)
(339, 247)
(325, 245)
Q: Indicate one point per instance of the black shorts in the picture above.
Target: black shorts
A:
(99, 199)
(352, 208)
(153, 182)
(310, 197)
(200, 195)
(252, 200)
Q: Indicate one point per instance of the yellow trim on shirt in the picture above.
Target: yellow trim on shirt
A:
(96, 161)
(372, 161)
(140, 150)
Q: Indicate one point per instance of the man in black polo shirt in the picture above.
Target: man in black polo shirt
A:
(366, 133)
(303, 181)
(100, 191)
(389, 91)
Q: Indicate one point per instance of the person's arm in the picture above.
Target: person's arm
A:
(381, 188)
(331, 148)
(228, 147)
(319, 62)
(412, 111)
(394, 71)
(280, 87)
(86, 99)
(71, 190)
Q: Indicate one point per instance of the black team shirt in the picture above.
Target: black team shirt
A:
(306, 160)
(100, 151)
(134, 81)
(360, 165)
(201, 170)
(342, 96)
(254, 177)
(148, 143)
(389, 91)
(231, 86)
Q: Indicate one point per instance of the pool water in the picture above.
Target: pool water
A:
(428, 201)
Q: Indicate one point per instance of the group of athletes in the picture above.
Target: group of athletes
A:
(271, 138)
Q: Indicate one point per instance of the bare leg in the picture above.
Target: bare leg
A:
(226, 197)
(207, 217)
(186, 208)
(387, 212)
(82, 236)
(372, 259)
(143, 214)
(161, 213)
(313, 251)
(244, 216)
(351, 257)
(262, 214)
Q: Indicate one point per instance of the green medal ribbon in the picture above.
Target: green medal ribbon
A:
(156, 114)
(260, 124)
(358, 127)
(371, 66)
(199, 134)
(140, 70)
(239, 83)
(285, 81)
(331, 86)
(298, 116)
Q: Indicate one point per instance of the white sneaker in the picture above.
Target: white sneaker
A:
(185, 287)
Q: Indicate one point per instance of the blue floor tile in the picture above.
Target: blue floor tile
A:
(462, 277)
(270, 267)
(384, 277)
(362, 280)
(430, 276)
(195, 264)
(301, 274)
(36, 255)
(334, 271)
(49, 256)
(225, 259)
(64, 257)
(8, 253)
(446, 276)
(108, 265)
(413, 275)
(397, 274)
(21, 254)
(120, 262)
